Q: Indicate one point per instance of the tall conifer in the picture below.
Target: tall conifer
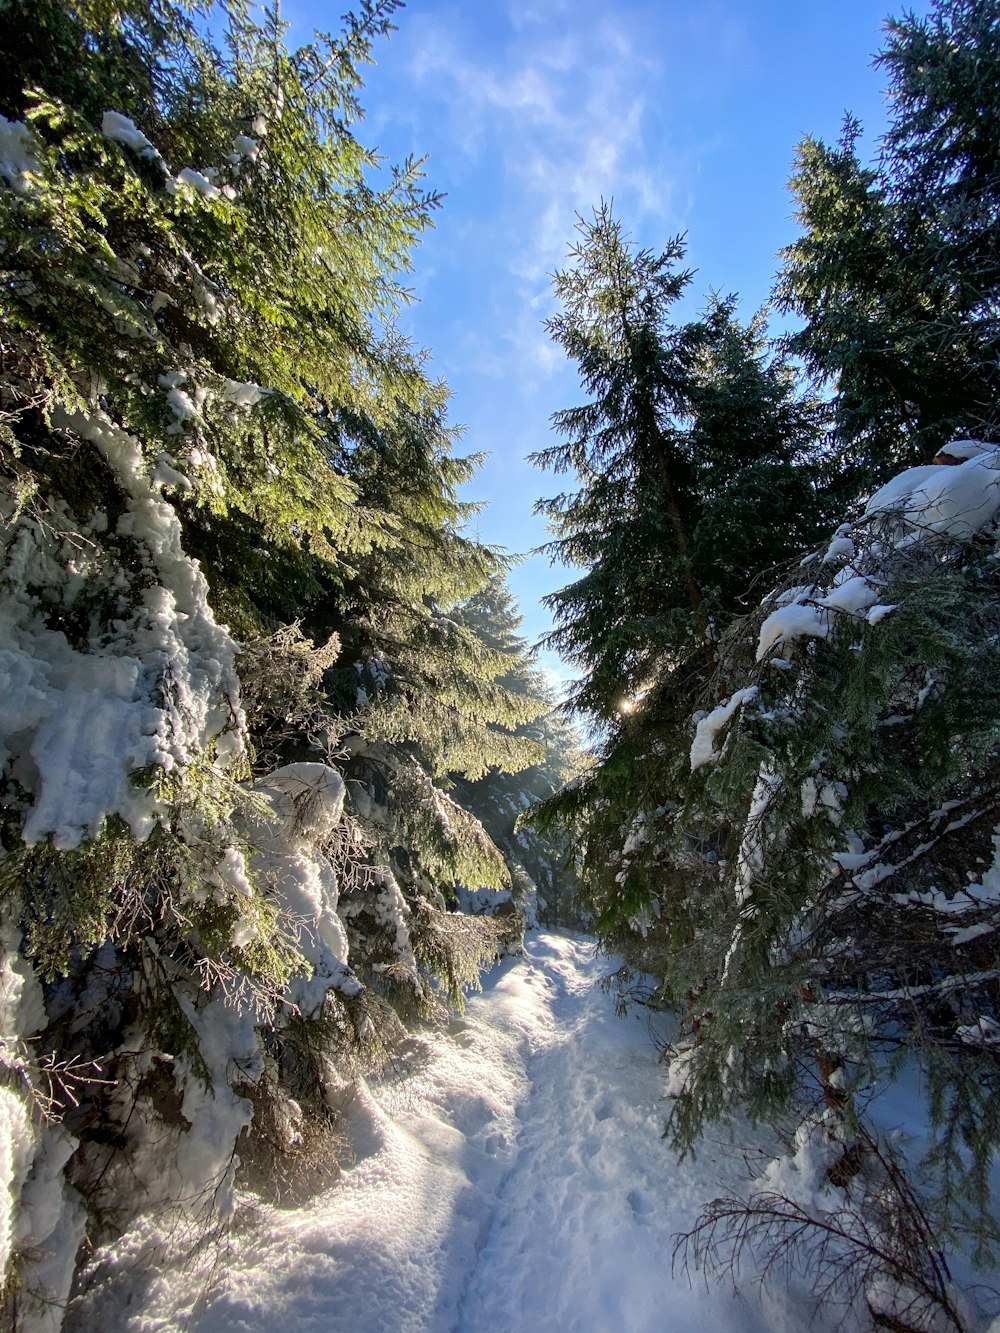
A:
(693, 470)
(216, 452)
(896, 273)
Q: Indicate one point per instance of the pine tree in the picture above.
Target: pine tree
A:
(848, 917)
(694, 466)
(228, 845)
(895, 274)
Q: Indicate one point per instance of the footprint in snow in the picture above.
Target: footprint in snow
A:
(640, 1204)
(591, 1146)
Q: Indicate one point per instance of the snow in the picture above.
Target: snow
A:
(801, 1174)
(750, 858)
(187, 1168)
(954, 500)
(246, 147)
(638, 835)
(156, 691)
(959, 450)
(49, 1217)
(703, 749)
(826, 797)
(984, 1032)
(121, 130)
(898, 490)
(791, 622)
(481, 900)
(208, 302)
(853, 596)
(205, 1159)
(22, 1005)
(16, 1151)
(183, 1168)
(840, 548)
(17, 160)
(198, 181)
(188, 181)
(181, 404)
(241, 394)
(50, 1228)
(509, 1173)
(306, 802)
(185, 405)
(40, 1213)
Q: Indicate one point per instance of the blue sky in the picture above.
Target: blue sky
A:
(531, 111)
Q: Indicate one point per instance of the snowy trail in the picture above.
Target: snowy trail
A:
(582, 1231)
(511, 1177)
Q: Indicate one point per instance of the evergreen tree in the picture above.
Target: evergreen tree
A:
(811, 875)
(694, 466)
(540, 863)
(630, 506)
(689, 429)
(942, 150)
(896, 274)
(848, 914)
(221, 847)
(758, 447)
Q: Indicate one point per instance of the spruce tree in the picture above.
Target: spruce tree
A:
(895, 274)
(630, 502)
(540, 863)
(232, 687)
(942, 150)
(693, 470)
(848, 915)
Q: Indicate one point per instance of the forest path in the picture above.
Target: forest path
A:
(583, 1226)
(508, 1174)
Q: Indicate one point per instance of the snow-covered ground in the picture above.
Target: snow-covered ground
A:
(510, 1174)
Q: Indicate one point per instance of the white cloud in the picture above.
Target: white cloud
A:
(562, 114)
(533, 113)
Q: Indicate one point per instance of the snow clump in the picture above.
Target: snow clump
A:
(703, 748)
(17, 160)
(242, 394)
(956, 498)
(188, 179)
(152, 688)
(304, 803)
(244, 146)
(41, 1215)
(121, 130)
